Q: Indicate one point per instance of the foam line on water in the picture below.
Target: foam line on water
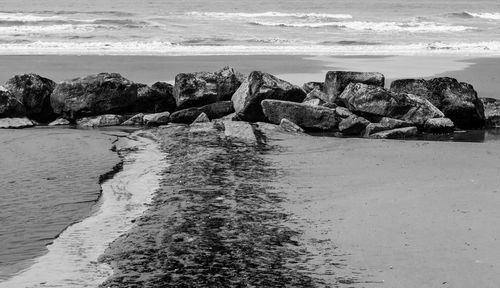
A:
(71, 260)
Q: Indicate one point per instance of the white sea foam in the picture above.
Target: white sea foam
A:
(72, 259)
(52, 29)
(492, 16)
(268, 14)
(27, 17)
(414, 27)
(479, 49)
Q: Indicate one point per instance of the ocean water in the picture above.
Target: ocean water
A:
(222, 27)
(48, 180)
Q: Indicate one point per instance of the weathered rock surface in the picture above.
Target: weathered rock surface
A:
(353, 125)
(306, 116)
(156, 119)
(385, 124)
(157, 98)
(136, 120)
(239, 131)
(260, 86)
(457, 100)
(202, 88)
(439, 125)
(202, 118)
(377, 101)
(310, 86)
(399, 133)
(104, 93)
(343, 112)
(315, 98)
(289, 126)
(9, 105)
(59, 122)
(337, 81)
(491, 111)
(100, 121)
(213, 111)
(15, 123)
(34, 92)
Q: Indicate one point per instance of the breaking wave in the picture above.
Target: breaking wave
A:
(268, 14)
(490, 16)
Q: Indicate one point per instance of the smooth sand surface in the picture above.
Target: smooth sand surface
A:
(381, 213)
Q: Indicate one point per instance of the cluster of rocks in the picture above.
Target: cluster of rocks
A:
(347, 103)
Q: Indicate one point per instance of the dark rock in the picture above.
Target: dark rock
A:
(353, 125)
(9, 105)
(289, 126)
(156, 119)
(306, 116)
(491, 111)
(202, 118)
(202, 88)
(377, 101)
(100, 121)
(103, 93)
(157, 98)
(457, 100)
(15, 123)
(439, 125)
(337, 81)
(385, 124)
(213, 111)
(399, 133)
(34, 92)
(136, 120)
(59, 122)
(260, 86)
(310, 86)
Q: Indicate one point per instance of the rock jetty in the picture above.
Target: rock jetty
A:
(347, 103)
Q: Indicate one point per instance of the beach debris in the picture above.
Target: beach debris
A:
(34, 92)
(100, 121)
(260, 86)
(306, 116)
(439, 125)
(377, 101)
(59, 122)
(213, 111)
(156, 119)
(202, 118)
(135, 120)
(399, 133)
(157, 98)
(337, 81)
(457, 100)
(9, 105)
(491, 112)
(310, 86)
(353, 125)
(289, 126)
(93, 95)
(201, 88)
(15, 123)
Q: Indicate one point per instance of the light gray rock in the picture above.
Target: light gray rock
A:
(439, 125)
(59, 122)
(491, 112)
(156, 119)
(343, 112)
(136, 120)
(353, 125)
(289, 126)
(306, 116)
(202, 118)
(100, 121)
(337, 81)
(239, 131)
(15, 123)
(310, 86)
(258, 87)
(399, 133)
(377, 101)
(385, 124)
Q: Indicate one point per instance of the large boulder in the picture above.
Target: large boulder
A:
(102, 93)
(457, 100)
(59, 122)
(201, 88)
(289, 126)
(34, 92)
(9, 105)
(258, 87)
(136, 120)
(439, 125)
(15, 123)
(310, 86)
(353, 125)
(376, 101)
(213, 111)
(100, 121)
(385, 124)
(306, 116)
(337, 81)
(491, 111)
(157, 98)
(157, 119)
(399, 133)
